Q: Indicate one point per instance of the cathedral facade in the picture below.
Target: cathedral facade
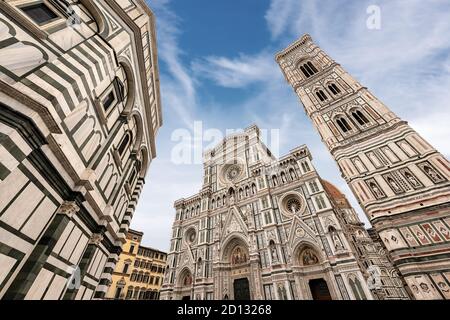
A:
(399, 179)
(267, 228)
(79, 112)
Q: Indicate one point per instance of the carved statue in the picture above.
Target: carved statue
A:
(273, 253)
(282, 292)
(376, 190)
(432, 174)
(337, 242)
(412, 180)
(394, 185)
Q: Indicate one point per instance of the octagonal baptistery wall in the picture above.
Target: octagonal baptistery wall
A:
(80, 108)
(261, 228)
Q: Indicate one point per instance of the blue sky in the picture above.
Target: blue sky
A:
(217, 66)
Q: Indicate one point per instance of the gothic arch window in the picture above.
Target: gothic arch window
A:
(124, 143)
(231, 192)
(218, 202)
(321, 95)
(343, 124)
(213, 202)
(320, 202)
(283, 177)
(247, 191)
(334, 89)
(314, 187)
(360, 117)
(305, 166)
(292, 174)
(308, 69)
(241, 193)
(275, 180)
(355, 284)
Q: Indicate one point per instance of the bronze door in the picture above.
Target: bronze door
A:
(241, 289)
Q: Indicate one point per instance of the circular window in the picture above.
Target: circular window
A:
(190, 235)
(231, 172)
(292, 204)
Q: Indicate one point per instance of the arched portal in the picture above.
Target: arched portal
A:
(237, 273)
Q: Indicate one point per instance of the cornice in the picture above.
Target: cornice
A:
(296, 44)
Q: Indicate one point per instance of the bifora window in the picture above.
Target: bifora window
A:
(321, 95)
(360, 117)
(343, 124)
(40, 13)
(308, 69)
(333, 88)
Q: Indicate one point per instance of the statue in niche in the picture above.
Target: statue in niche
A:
(445, 232)
(415, 289)
(282, 292)
(199, 268)
(432, 174)
(309, 258)
(273, 252)
(378, 193)
(443, 286)
(425, 288)
(412, 180)
(337, 242)
(394, 185)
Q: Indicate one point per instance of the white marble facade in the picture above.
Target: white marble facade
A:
(261, 228)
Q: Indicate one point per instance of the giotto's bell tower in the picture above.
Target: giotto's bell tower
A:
(399, 179)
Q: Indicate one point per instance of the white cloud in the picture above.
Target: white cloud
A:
(237, 72)
(405, 63)
(177, 87)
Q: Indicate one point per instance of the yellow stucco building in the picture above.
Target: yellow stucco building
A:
(139, 273)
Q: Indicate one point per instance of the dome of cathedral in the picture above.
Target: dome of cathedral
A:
(336, 194)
